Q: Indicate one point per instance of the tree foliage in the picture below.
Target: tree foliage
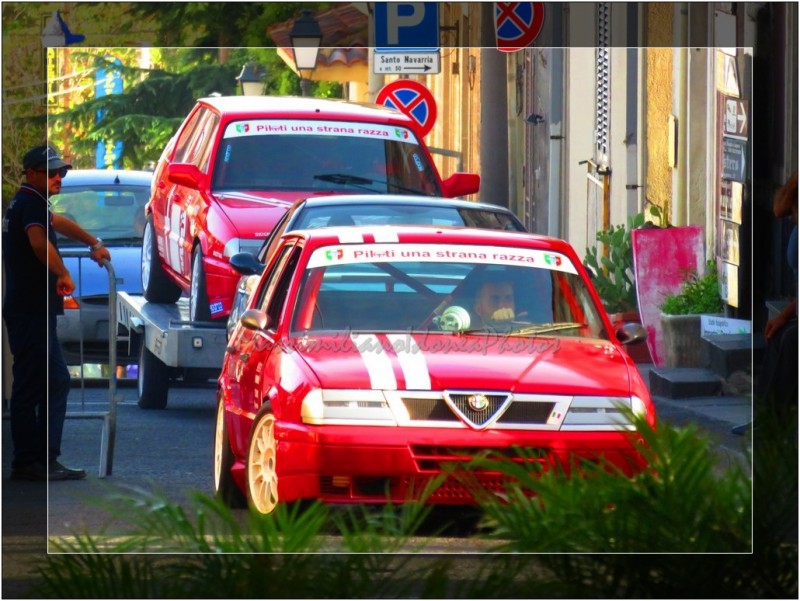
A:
(156, 99)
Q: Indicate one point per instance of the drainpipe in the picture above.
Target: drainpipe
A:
(554, 192)
(493, 114)
(680, 200)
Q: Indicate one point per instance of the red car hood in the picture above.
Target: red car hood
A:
(437, 362)
(256, 213)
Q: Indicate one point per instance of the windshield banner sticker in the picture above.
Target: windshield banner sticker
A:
(499, 255)
(305, 127)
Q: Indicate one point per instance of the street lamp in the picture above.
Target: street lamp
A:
(251, 80)
(306, 38)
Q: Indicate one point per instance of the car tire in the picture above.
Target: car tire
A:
(198, 294)
(225, 488)
(156, 284)
(153, 380)
(262, 477)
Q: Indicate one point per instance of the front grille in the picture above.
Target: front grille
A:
(432, 457)
(454, 491)
(453, 409)
(526, 413)
(467, 406)
(429, 410)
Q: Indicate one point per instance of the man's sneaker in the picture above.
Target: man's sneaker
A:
(31, 471)
(56, 471)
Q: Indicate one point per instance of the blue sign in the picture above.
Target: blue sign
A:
(406, 25)
(108, 152)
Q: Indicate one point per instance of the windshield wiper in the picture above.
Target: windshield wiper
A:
(365, 183)
(544, 328)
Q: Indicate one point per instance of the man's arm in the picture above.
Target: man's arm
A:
(70, 229)
(47, 254)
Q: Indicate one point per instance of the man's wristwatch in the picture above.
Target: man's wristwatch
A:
(97, 245)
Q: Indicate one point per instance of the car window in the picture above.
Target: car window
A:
(403, 214)
(276, 296)
(111, 212)
(355, 288)
(206, 144)
(187, 136)
(322, 155)
(270, 277)
(274, 238)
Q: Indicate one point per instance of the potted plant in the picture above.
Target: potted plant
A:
(680, 318)
(612, 274)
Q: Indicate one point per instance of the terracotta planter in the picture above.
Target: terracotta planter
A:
(639, 351)
(683, 345)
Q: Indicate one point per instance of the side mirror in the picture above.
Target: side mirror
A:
(461, 184)
(253, 319)
(246, 264)
(185, 174)
(631, 333)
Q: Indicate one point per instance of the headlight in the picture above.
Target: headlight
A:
(242, 245)
(346, 407)
(601, 413)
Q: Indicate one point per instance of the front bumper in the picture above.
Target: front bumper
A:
(346, 464)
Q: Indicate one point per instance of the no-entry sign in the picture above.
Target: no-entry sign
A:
(517, 24)
(412, 99)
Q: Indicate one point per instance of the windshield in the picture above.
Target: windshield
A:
(444, 289)
(111, 212)
(405, 214)
(322, 156)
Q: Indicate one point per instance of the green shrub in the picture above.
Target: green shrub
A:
(688, 527)
(698, 295)
(612, 273)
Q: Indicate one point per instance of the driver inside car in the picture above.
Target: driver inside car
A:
(494, 301)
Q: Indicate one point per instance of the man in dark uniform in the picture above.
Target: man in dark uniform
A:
(36, 283)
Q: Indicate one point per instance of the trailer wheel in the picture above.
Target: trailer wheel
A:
(153, 380)
(156, 284)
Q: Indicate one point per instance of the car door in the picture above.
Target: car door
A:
(251, 350)
(184, 205)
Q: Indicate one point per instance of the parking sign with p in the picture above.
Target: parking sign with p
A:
(406, 24)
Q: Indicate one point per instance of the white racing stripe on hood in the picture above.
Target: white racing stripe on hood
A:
(412, 362)
(377, 362)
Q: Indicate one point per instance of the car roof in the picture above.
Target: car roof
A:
(428, 234)
(303, 107)
(397, 199)
(87, 177)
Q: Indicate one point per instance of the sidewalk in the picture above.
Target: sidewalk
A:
(715, 415)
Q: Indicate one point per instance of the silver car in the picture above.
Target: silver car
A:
(365, 210)
(110, 205)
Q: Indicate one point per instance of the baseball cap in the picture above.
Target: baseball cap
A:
(44, 155)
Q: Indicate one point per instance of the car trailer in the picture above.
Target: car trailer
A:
(171, 345)
(108, 417)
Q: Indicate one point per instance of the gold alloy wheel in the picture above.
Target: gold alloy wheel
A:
(262, 479)
(219, 441)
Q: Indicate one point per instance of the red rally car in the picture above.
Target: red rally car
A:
(237, 163)
(369, 357)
